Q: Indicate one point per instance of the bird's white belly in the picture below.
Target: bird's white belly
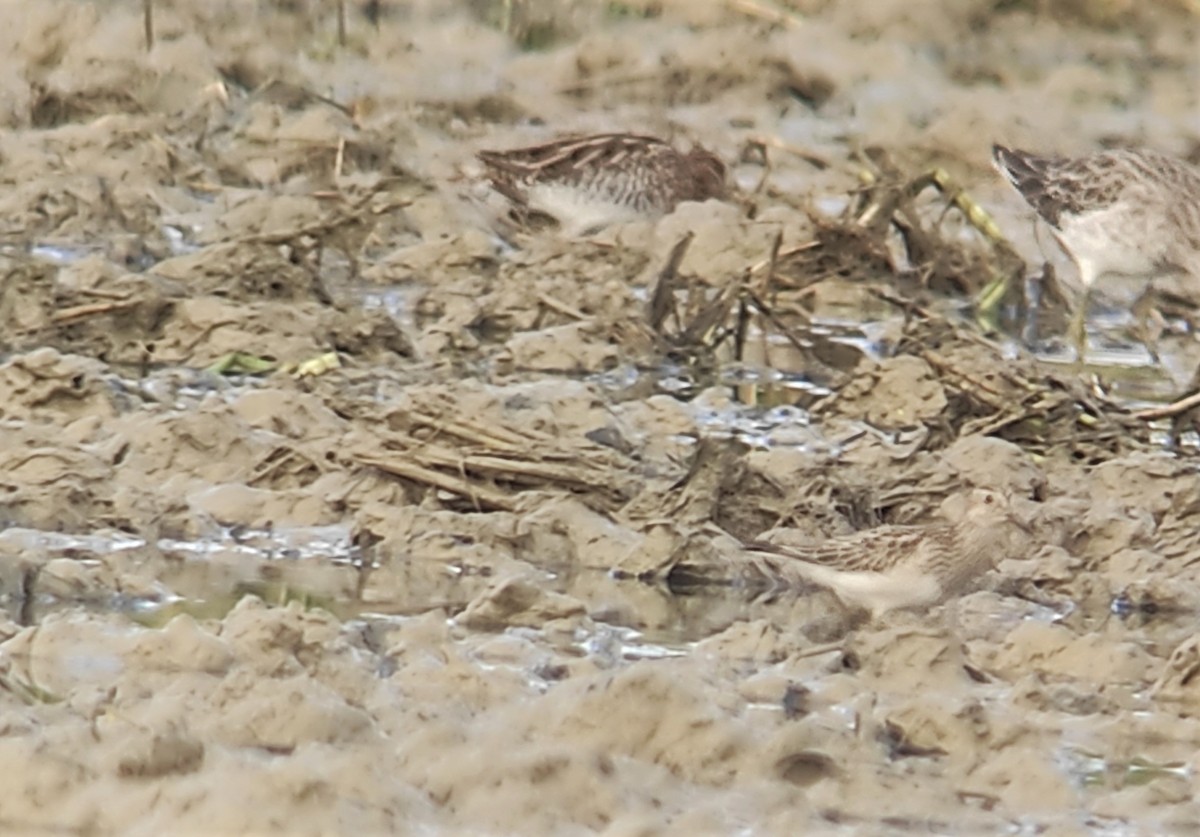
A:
(576, 209)
(1114, 241)
(877, 592)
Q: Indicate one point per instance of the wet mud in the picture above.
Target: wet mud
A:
(336, 500)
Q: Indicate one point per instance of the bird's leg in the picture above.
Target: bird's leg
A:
(957, 646)
(1077, 330)
(1148, 321)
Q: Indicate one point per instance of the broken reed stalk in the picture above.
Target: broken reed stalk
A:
(662, 300)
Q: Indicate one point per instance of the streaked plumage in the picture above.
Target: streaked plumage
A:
(587, 183)
(1128, 212)
(1125, 212)
(894, 567)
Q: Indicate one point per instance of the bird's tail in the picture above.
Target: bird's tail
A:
(1021, 167)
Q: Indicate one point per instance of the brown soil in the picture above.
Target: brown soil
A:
(335, 503)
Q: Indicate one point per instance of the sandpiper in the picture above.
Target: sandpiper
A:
(587, 183)
(1121, 212)
(895, 567)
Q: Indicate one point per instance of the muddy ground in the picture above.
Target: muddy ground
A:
(335, 503)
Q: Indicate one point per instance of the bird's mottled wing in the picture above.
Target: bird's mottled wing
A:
(1056, 186)
(875, 550)
(565, 159)
(607, 167)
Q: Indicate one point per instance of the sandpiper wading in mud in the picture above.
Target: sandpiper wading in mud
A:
(587, 183)
(894, 567)
(1122, 212)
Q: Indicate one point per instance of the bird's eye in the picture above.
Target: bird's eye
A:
(989, 498)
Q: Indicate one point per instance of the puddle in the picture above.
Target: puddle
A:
(396, 301)
(1101, 773)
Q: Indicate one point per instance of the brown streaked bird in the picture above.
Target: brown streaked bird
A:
(1123, 212)
(587, 183)
(896, 567)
